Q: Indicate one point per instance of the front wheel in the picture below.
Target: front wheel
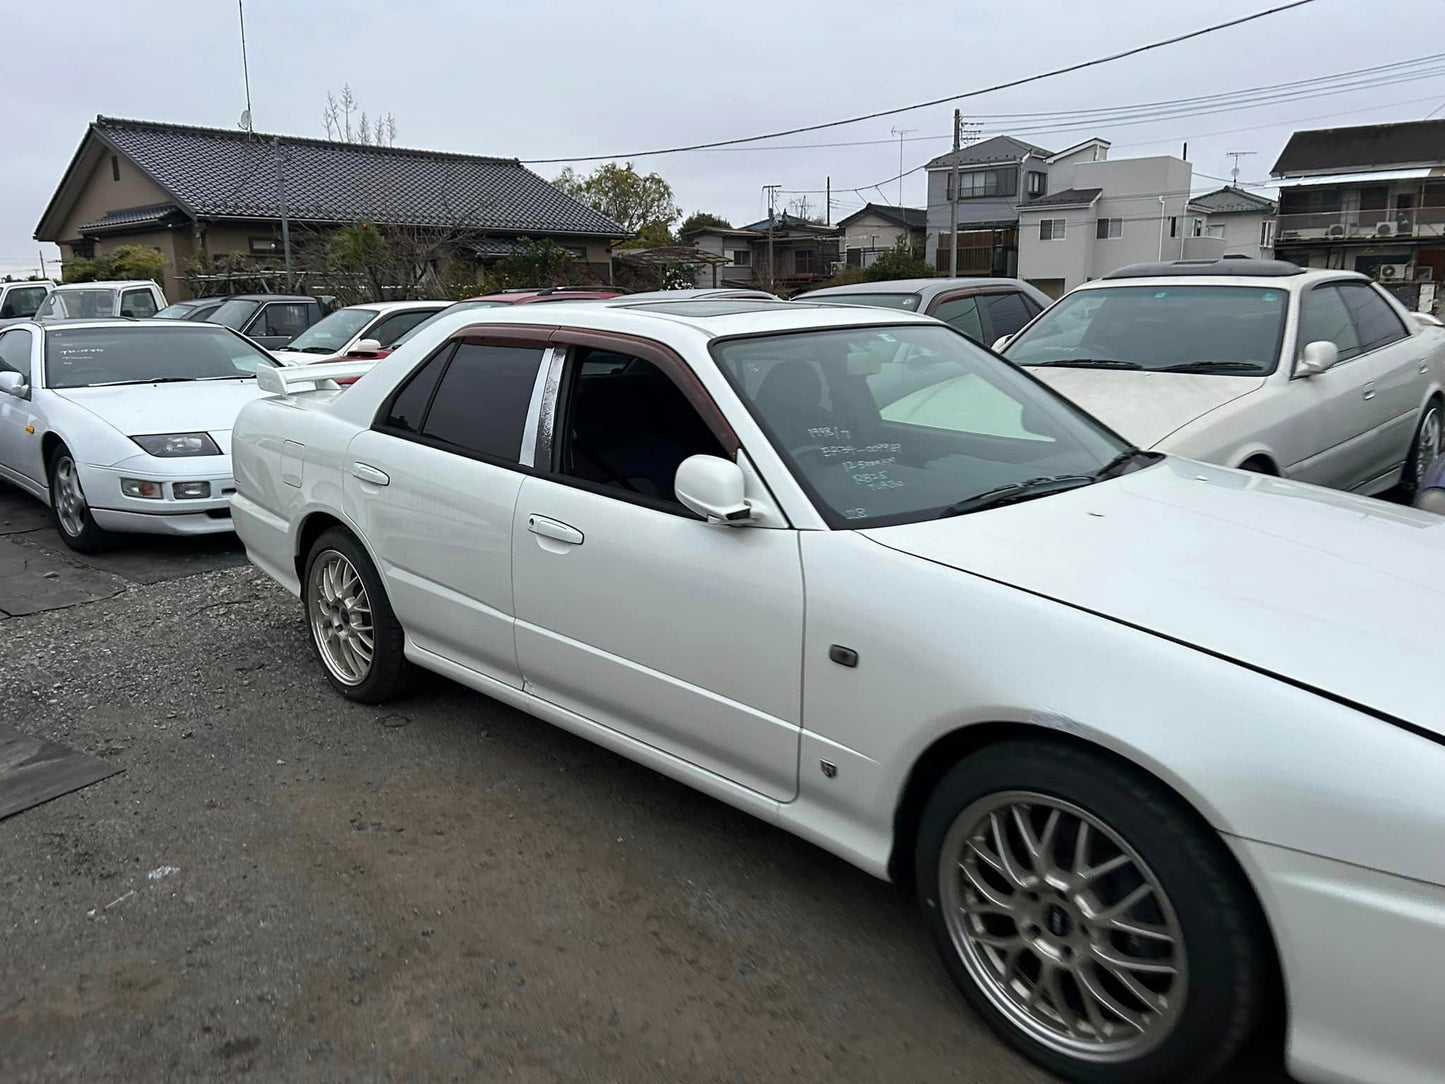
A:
(1088, 918)
(356, 637)
(73, 520)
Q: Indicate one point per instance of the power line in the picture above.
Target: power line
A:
(937, 101)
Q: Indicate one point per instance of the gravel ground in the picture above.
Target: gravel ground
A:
(290, 886)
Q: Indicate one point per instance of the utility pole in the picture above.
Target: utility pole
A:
(281, 203)
(42, 265)
(900, 133)
(828, 198)
(771, 190)
(953, 197)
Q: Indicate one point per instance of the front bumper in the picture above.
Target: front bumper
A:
(114, 511)
(1363, 954)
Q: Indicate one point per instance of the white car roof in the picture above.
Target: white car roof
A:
(113, 321)
(109, 284)
(1288, 283)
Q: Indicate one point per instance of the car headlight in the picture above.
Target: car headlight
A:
(169, 445)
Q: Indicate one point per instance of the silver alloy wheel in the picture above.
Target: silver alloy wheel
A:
(68, 498)
(1427, 444)
(1063, 926)
(340, 617)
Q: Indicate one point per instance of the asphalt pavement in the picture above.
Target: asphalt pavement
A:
(286, 886)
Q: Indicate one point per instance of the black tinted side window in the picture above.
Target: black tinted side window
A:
(409, 404)
(481, 404)
(1006, 312)
(1376, 322)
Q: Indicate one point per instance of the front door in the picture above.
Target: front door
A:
(20, 456)
(635, 613)
(433, 486)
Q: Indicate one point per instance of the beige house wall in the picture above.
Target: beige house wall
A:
(103, 193)
(173, 244)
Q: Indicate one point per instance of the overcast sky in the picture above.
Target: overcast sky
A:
(570, 78)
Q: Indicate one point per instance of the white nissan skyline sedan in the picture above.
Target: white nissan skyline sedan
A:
(124, 425)
(1320, 376)
(1155, 741)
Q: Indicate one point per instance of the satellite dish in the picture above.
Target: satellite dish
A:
(245, 120)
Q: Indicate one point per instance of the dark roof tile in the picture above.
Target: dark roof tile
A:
(1230, 200)
(1367, 146)
(998, 149)
(913, 218)
(130, 217)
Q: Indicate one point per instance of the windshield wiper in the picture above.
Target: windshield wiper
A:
(1014, 492)
(1116, 466)
(1086, 363)
(148, 380)
(312, 349)
(1213, 366)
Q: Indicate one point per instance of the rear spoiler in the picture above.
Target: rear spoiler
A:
(283, 381)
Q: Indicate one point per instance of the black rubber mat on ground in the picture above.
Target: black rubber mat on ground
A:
(34, 771)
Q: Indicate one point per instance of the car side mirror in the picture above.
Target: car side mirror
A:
(713, 488)
(366, 346)
(1318, 356)
(1000, 343)
(12, 383)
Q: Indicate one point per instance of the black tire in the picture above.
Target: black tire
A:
(389, 670)
(1226, 948)
(1420, 458)
(85, 535)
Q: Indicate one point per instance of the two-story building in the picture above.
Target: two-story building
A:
(1369, 198)
(1241, 223)
(784, 254)
(995, 177)
(877, 228)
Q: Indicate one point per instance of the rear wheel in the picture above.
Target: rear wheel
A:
(356, 637)
(1424, 449)
(1094, 924)
(73, 520)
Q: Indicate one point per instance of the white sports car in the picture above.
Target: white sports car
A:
(1155, 741)
(124, 425)
(1320, 376)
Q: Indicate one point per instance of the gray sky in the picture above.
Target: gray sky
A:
(555, 78)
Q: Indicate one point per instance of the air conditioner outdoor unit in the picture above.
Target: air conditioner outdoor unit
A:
(1335, 231)
(1389, 272)
(1423, 274)
(1386, 229)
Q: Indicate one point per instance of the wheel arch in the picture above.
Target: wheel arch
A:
(312, 526)
(49, 442)
(1261, 463)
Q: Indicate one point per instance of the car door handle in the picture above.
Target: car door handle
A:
(1424, 364)
(550, 528)
(1369, 391)
(367, 473)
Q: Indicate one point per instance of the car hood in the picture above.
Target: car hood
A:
(301, 357)
(198, 406)
(1340, 593)
(1144, 406)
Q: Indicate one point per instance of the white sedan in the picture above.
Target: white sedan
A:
(1153, 740)
(359, 330)
(124, 425)
(1319, 376)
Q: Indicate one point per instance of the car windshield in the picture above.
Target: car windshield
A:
(908, 302)
(460, 306)
(181, 310)
(331, 333)
(86, 304)
(234, 313)
(1224, 330)
(893, 424)
(84, 357)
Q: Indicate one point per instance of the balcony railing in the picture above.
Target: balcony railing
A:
(1381, 225)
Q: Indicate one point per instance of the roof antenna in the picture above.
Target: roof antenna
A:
(1237, 155)
(245, 69)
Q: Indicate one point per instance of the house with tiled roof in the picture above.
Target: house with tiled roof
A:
(876, 228)
(1242, 221)
(186, 190)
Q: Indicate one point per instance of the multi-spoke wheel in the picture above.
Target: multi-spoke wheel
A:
(355, 634)
(77, 526)
(1094, 923)
(1426, 447)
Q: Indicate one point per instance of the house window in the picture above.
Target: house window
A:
(1110, 227)
(1037, 184)
(805, 261)
(973, 185)
(1185, 227)
(263, 246)
(577, 252)
(1215, 231)
(114, 168)
(83, 250)
(1266, 233)
(1051, 229)
(742, 257)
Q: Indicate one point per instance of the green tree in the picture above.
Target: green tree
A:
(123, 262)
(633, 200)
(535, 263)
(698, 221)
(904, 261)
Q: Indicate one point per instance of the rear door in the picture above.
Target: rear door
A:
(279, 322)
(1397, 369)
(434, 484)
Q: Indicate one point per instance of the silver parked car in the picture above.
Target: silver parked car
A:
(984, 309)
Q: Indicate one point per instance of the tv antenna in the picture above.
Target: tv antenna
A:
(1237, 155)
(900, 133)
(245, 68)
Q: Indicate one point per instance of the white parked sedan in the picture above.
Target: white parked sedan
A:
(1154, 740)
(357, 329)
(124, 425)
(1319, 376)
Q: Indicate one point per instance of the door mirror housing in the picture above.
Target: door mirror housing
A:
(12, 383)
(1317, 358)
(713, 488)
(1000, 343)
(366, 346)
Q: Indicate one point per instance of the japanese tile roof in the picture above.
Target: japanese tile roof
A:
(786, 221)
(911, 218)
(221, 173)
(1367, 146)
(998, 149)
(1230, 201)
(126, 218)
(1068, 197)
